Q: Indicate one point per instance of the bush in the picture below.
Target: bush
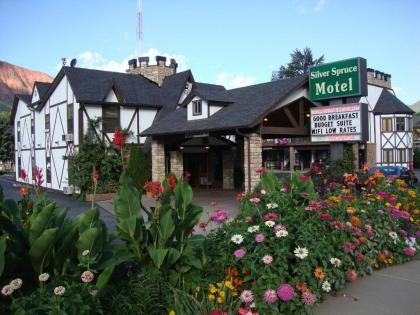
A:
(416, 159)
(139, 167)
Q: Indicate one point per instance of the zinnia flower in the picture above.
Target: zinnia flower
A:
(282, 233)
(269, 223)
(285, 292)
(239, 253)
(324, 216)
(319, 273)
(410, 251)
(335, 262)
(7, 290)
(87, 276)
(60, 290)
(326, 286)
(270, 216)
(272, 205)
(260, 238)
(360, 257)
(267, 259)
(247, 296)
(237, 239)
(253, 229)
(270, 296)
(308, 298)
(119, 139)
(43, 277)
(219, 216)
(85, 252)
(301, 252)
(16, 283)
(351, 275)
(255, 200)
(393, 235)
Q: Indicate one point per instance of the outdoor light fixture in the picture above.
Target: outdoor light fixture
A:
(207, 147)
(308, 115)
(181, 148)
(266, 119)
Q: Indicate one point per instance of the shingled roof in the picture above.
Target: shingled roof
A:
(213, 92)
(250, 105)
(42, 88)
(388, 103)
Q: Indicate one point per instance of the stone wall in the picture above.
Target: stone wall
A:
(355, 149)
(156, 73)
(379, 78)
(158, 161)
(177, 163)
(370, 154)
(255, 145)
(228, 169)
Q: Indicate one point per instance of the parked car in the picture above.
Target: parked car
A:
(396, 171)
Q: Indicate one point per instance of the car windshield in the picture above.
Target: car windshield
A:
(389, 171)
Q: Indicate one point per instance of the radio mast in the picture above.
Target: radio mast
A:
(139, 36)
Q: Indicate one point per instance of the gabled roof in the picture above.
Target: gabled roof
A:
(42, 88)
(26, 98)
(388, 103)
(213, 92)
(250, 105)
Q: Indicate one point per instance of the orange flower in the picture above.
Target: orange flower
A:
(238, 282)
(351, 210)
(355, 221)
(378, 175)
(319, 273)
(381, 257)
(370, 262)
(24, 191)
(302, 286)
(362, 239)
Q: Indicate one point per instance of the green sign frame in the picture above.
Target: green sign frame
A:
(340, 79)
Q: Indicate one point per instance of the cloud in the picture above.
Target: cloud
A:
(234, 80)
(396, 89)
(305, 6)
(319, 5)
(95, 60)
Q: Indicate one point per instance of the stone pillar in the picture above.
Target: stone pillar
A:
(253, 152)
(370, 154)
(228, 169)
(355, 149)
(292, 158)
(177, 163)
(158, 161)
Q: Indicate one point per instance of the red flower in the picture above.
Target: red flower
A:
(324, 216)
(38, 178)
(303, 178)
(95, 176)
(23, 175)
(187, 176)
(154, 189)
(172, 182)
(119, 139)
(24, 191)
(30, 205)
(260, 170)
(239, 197)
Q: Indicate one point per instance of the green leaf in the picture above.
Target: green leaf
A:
(41, 222)
(89, 219)
(157, 255)
(172, 257)
(2, 251)
(167, 225)
(10, 208)
(88, 240)
(127, 200)
(41, 249)
(104, 277)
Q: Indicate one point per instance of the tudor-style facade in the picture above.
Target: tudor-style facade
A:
(211, 132)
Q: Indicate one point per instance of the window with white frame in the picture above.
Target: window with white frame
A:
(387, 156)
(400, 123)
(387, 124)
(401, 155)
(197, 108)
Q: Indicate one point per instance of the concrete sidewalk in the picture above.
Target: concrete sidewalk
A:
(390, 291)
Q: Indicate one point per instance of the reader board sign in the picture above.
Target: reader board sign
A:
(338, 79)
(341, 123)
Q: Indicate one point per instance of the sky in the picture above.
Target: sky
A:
(229, 42)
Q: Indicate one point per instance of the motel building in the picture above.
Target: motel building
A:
(209, 131)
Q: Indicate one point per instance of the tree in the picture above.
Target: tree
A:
(139, 167)
(6, 137)
(299, 64)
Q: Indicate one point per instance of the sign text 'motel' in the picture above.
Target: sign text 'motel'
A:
(339, 79)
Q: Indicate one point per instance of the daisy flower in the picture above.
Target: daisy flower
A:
(301, 252)
(269, 223)
(237, 239)
(253, 229)
(282, 233)
(326, 286)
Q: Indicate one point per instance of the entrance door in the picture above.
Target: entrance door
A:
(197, 165)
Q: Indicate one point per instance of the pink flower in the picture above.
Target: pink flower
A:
(247, 296)
(87, 276)
(260, 170)
(219, 216)
(213, 203)
(267, 259)
(351, 275)
(285, 292)
(239, 253)
(360, 257)
(324, 216)
(279, 227)
(303, 178)
(260, 238)
(270, 296)
(409, 251)
(348, 247)
(402, 232)
(308, 298)
(255, 200)
(270, 216)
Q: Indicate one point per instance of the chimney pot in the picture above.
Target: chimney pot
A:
(143, 62)
(160, 60)
(132, 64)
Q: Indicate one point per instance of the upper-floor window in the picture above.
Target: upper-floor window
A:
(70, 122)
(387, 124)
(32, 125)
(400, 123)
(47, 121)
(18, 131)
(110, 118)
(197, 108)
(387, 156)
(401, 155)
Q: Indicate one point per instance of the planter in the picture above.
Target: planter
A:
(100, 197)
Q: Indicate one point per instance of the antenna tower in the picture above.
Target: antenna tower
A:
(139, 27)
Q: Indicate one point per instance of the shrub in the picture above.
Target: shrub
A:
(139, 167)
(416, 159)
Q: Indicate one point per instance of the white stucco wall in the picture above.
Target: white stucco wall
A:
(146, 117)
(204, 109)
(214, 109)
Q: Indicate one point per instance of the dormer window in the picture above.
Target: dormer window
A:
(197, 108)
(186, 88)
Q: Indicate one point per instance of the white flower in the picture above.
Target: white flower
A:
(85, 252)
(229, 221)
(335, 262)
(43, 277)
(301, 252)
(326, 286)
(16, 283)
(7, 290)
(411, 242)
(87, 276)
(93, 292)
(59, 291)
(283, 189)
(253, 229)
(237, 238)
(393, 235)
(281, 233)
(272, 205)
(263, 192)
(270, 223)
(267, 259)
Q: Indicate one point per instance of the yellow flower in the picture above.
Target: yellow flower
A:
(228, 284)
(172, 312)
(197, 289)
(412, 193)
(219, 284)
(222, 294)
(213, 290)
(220, 300)
(398, 205)
(210, 297)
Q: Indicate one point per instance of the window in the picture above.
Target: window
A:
(197, 108)
(48, 170)
(70, 127)
(386, 124)
(110, 118)
(47, 121)
(410, 124)
(387, 156)
(401, 155)
(18, 131)
(410, 155)
(400, 122)
(32, 126)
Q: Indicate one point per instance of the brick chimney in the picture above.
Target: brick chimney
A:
(156, 73)
(379, 78)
